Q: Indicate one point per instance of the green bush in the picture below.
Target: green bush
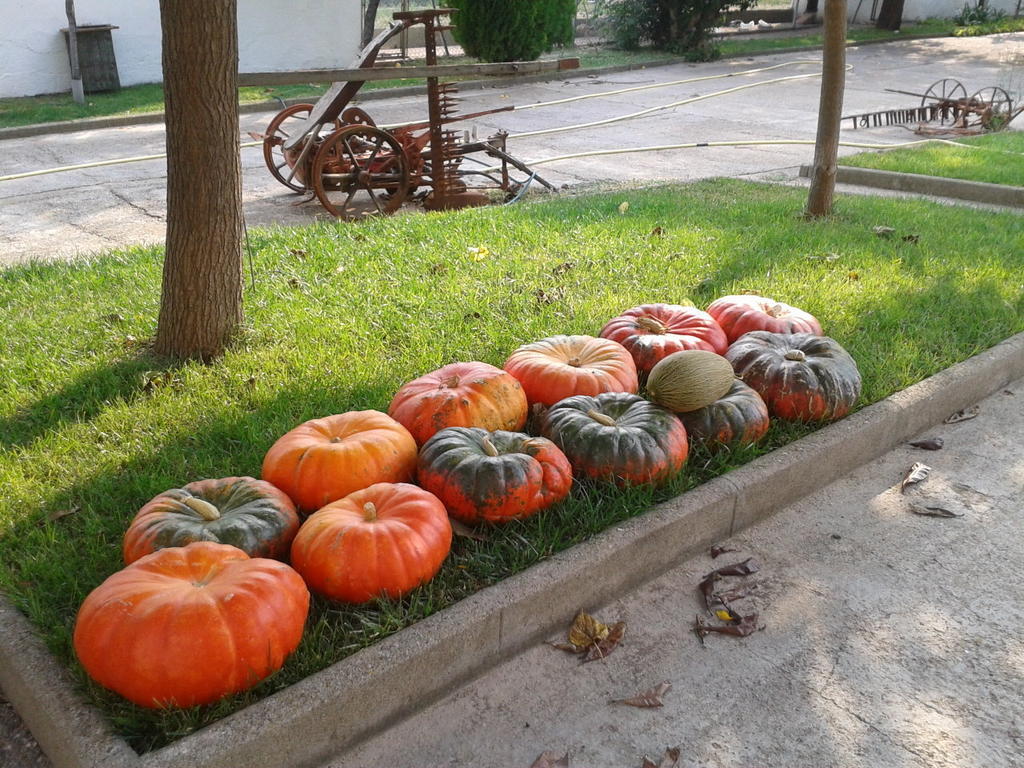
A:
(680, 26)
(517, 30)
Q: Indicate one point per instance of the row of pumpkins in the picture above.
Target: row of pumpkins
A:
(206, 607)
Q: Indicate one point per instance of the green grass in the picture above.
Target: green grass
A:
(815, 38)
(997, 158)
(341, 315)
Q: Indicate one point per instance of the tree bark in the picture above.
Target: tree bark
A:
(201, 302)
(891, 15)
(369, 22)
(830, 111)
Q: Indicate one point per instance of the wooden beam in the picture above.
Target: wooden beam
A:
(404, 73)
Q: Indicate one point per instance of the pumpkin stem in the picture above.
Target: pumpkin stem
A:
(204, 509)
(651, 324)
(796, 355)
(369, 512)
(601, 418)
(450, 383)
(335, 439)
(489, 448)
(574, 362)
(776, 310)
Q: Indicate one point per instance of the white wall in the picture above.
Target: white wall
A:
(273, 35)
(915, 10)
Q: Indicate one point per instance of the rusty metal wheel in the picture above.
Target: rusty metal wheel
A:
(360, 171)
(281, 163)
(991, 108)
(943, 93)
(356, 116)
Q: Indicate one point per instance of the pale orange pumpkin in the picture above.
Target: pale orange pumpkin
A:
(460, 395)
(558, 367)
(323, 460)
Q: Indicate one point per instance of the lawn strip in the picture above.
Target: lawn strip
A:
(91, 426)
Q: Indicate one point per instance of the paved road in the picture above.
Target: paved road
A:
(65, 215)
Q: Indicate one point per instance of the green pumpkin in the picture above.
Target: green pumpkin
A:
(617, 436)
(250, 514)
(740, 417)
(493, 476)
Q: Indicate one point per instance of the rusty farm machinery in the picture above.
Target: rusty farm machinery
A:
(356, 168)
(946, 105)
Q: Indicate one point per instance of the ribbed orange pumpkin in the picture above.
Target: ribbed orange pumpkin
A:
(558, 367)
(189, 625)
(652, 332)
(460, 395)
(323, 460)
(741, 314)
(381, 541)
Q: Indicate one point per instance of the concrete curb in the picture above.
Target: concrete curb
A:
(364, 694)
(975, 191)
(119, 121)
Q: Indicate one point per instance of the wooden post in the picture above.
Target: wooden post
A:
(77, 89)
(830, 111)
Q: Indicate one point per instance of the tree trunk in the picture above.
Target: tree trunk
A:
(891, 15)
(369, 22)
(201, 303)
(830, 111)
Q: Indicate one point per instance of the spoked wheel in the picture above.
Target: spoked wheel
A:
(360, 171)
(991, 108)
(280, 162)
(943, 92)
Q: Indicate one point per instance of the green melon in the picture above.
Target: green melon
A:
(688, 380)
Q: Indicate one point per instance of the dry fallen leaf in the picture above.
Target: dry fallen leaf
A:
(668, 760)
(928, 443)
(459, 528)
(551, 760)
(911, 239)
(707, 584)
(920, 509)
(746, 625)
(53, 516)
(657, 232)
(720, 549)
(623, 206)
(917, 473)
(883, 231)
(964, 414)
(586, 630)
(649, 698)
(605, 646)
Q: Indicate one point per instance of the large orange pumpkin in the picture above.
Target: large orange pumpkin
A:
(460, 395)
(558, 367)
(745, 313)
(325, 459)
(381, 541)
(189, 625)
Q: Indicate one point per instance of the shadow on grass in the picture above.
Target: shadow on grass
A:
(84, 398)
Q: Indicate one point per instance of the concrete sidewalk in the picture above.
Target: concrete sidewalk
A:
(74, 214)
(890, 639)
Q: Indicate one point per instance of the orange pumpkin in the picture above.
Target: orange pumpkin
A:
(745, 313)
(460, 395)
(652, 332)
(325, 459)
(558, 367)
(189, 625)
(384, 540)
